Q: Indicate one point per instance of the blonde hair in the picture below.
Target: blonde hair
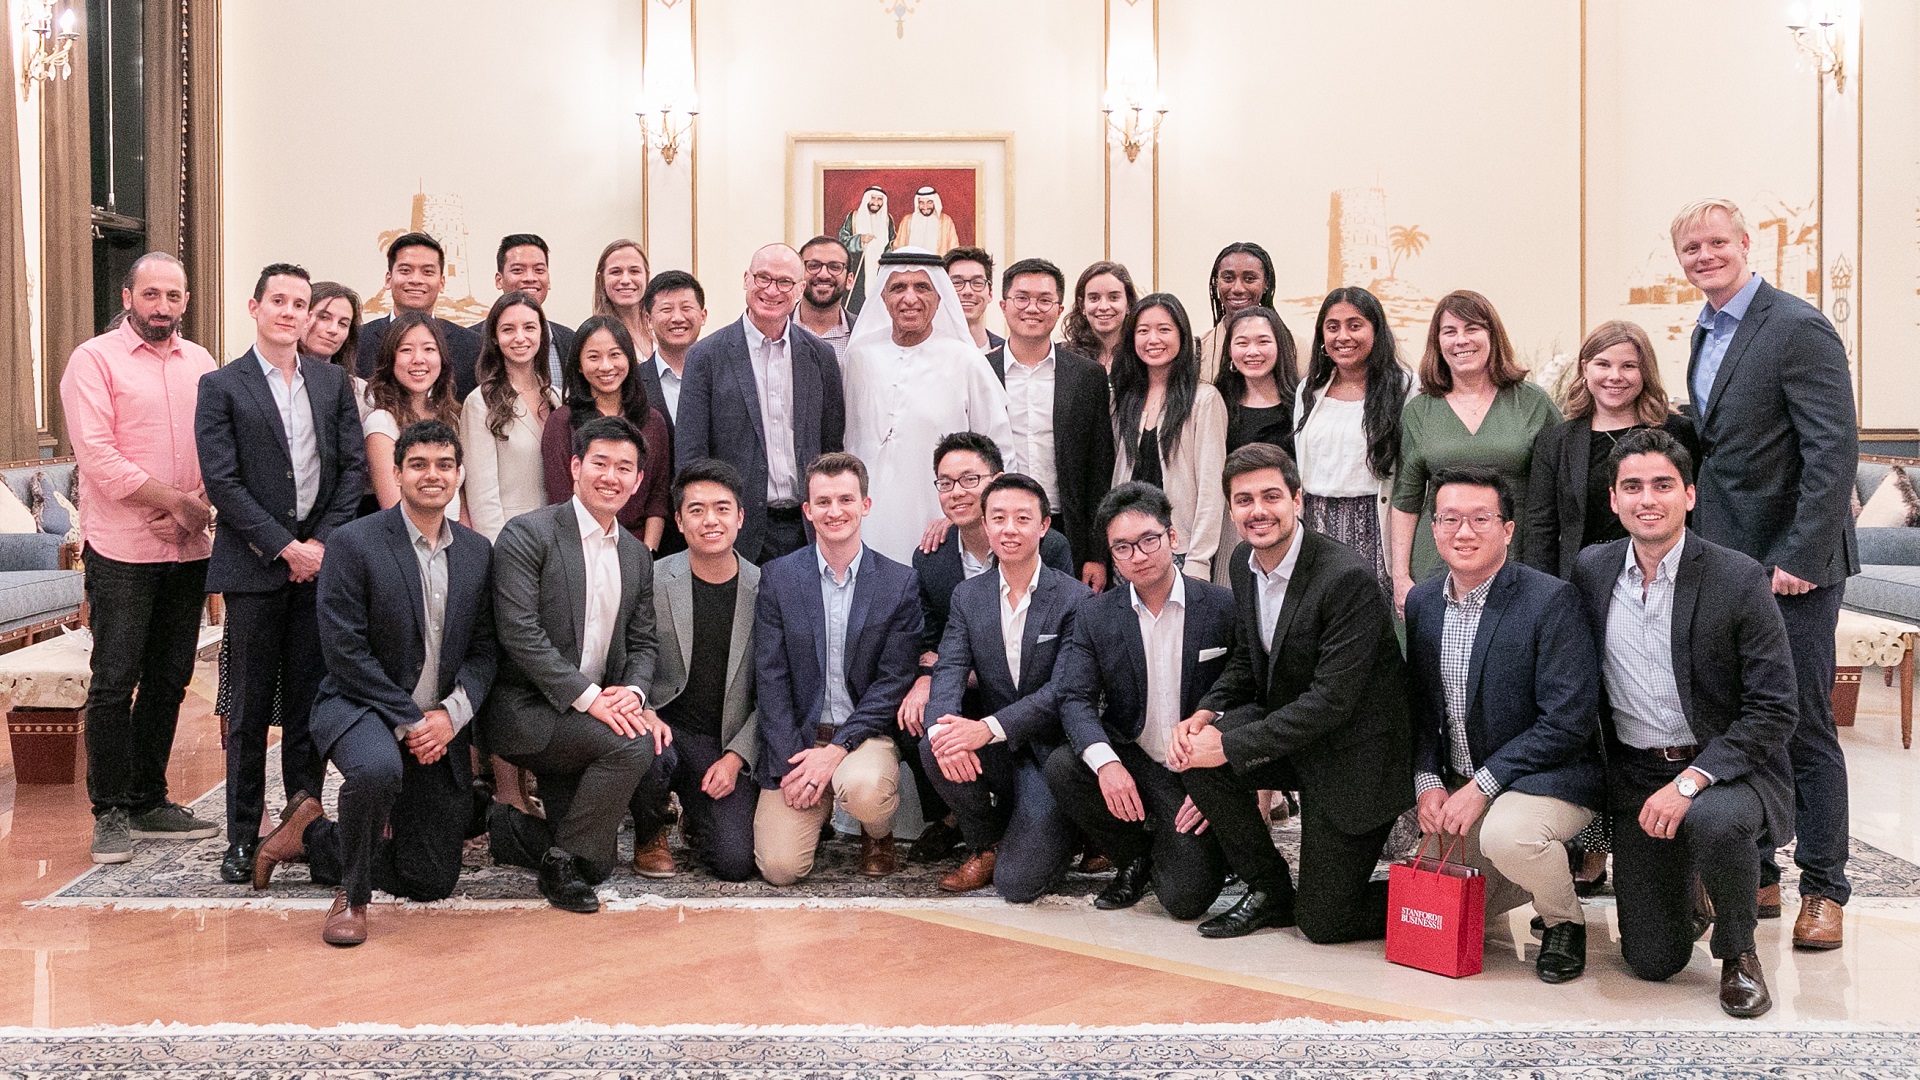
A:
(1695, 212)
(1651, 407)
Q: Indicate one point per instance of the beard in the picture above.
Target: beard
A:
(835, 292)
(154, 331)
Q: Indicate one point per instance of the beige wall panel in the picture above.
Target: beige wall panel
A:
(1890, 261)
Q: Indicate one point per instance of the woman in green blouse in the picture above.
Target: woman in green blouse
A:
(1475, 407)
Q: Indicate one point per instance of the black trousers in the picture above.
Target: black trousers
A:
(1010, 805)
(1187, 870)
(1336, 899)
(786, 533)
(1819, 767)
(720, 831)
(1719, 840)
(402, 824)
(145, 619)
(933, 806)
(276, 648)
(587, 775)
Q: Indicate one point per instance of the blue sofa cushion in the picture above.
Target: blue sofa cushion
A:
(1890, 546)
(1889, 591)
(31, 596)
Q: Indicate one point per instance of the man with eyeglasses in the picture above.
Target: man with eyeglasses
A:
(971, 271)
(763, 395)
(964, 463)
(823, 302)
(1138, 660)
(1057, 405)
(1506, 713)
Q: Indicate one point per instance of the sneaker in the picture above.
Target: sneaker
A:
(171, 821)
(112, 843)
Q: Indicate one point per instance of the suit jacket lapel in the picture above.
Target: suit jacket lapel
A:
(1686, 600)
(805, 381)
(1038, 609)
(743, 379)
(1290, 601)
(1578, 452)
(680, 602)
(1743, 336)
(997, 360)
(573, 565)
(1133, 644)
(863, 587)
(256, 381)
(1490, 616)
(743, 601)
(400, 546)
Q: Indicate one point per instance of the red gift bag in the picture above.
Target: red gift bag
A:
(1436, 914)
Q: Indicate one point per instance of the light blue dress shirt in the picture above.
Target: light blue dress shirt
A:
(837, 596)
(1720, 327)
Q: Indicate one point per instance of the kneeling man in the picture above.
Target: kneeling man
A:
(1506, 706)
(836, 636)
(406, 628)
(1004, 629)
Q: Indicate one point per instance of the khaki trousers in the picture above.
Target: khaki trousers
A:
(1520, 844)
(866, 785)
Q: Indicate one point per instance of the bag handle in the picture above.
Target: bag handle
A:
(1446, 851)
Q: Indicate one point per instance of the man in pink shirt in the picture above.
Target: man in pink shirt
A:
(129, 396)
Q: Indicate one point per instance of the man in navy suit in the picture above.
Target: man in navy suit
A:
(285, 464)
(1150, 652)
(416, 272)
(520, 265)
(1773, 401)
(1312, 700)
(1506, 713)
(407, 624)
(763, 395)
(836, 627)
(986, 755)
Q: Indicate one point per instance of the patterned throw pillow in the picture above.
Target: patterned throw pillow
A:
(72, 535)
(49, 515)
(14, 515)
(1895, 503)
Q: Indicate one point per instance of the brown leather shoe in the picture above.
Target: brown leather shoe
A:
(1743, 987)
(877, 855)
(345, 926)
(288, 840)
(975, 873)
(1093, 861)
(1820, 924)
(654, 860)
(1770, 901)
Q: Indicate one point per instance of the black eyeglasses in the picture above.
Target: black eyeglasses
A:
(968, 482)
(1145, 545)
(816, 266)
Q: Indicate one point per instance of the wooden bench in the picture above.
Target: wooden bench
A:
(1862, 641)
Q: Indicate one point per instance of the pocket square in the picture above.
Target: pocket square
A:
(1212, 654)
(1044, 638)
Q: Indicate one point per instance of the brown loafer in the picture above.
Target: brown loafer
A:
(1770, 901)
(346, 925)
(1743, 987)
(877, 855)
(1820, 924)
(1093, 861)
(288, 840)
(654, 860)
(975, 873)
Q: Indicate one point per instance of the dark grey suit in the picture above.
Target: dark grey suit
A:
(1780, 446)
(1734, 676)
(587, 771)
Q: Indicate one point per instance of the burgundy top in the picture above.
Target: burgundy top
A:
(656, 466)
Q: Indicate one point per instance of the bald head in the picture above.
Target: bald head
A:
(772, 282)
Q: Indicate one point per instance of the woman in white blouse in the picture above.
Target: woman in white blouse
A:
(500, 424)
(410, 383)
(1169, 428)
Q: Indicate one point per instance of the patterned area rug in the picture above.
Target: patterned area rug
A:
(1290, 1049)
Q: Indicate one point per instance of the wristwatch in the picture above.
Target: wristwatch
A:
(1686, 786)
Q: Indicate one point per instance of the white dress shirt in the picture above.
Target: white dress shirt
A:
(1013, 627)
(670, 387)
(971, 567)
(1030, 412)
(303, 442)
(1271, 586)
(773, 380)
(1164, 636)
(601, 550)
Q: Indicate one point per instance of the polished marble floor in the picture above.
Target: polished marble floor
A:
(1046, 964)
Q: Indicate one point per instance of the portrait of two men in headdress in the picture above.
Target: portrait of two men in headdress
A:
(879, 209)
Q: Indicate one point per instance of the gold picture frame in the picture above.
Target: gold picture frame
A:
(810, 155)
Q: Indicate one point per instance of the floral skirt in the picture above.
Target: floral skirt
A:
(1354, 521)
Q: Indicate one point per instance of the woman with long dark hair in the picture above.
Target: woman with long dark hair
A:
(505, 416)
(1347, 425)
(412, 381)
(603, 379)
(1101, 299)
(1169, 428)
(1242, 277)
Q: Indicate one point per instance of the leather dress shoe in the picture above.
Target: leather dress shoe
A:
(1820, 925)
(1770, 901)
(1563, 953)
(288, 840)
(562, 885)
(653, 860)
(1257, 908)
(1093, 861)
(1743, 987)
(346, 925)
(503, 838)
(975, 873)
(236, 866)
(935, 843)
(1128, 886)
(878, 856)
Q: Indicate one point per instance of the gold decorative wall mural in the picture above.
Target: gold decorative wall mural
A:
(1364, 250)
(443, 217)
(1786, 241)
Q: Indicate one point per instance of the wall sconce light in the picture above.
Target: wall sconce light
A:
(49, 50)
(665, 125)
(1134, 116)
(1820, 38)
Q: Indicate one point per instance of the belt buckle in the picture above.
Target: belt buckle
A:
(1679, 753)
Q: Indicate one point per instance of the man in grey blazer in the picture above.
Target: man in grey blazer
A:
(703, 688)
(573, 610)
(1773, 401)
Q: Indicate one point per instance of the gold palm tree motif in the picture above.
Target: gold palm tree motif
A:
(1406, 241)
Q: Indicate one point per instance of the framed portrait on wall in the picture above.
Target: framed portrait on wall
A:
(878, 192)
